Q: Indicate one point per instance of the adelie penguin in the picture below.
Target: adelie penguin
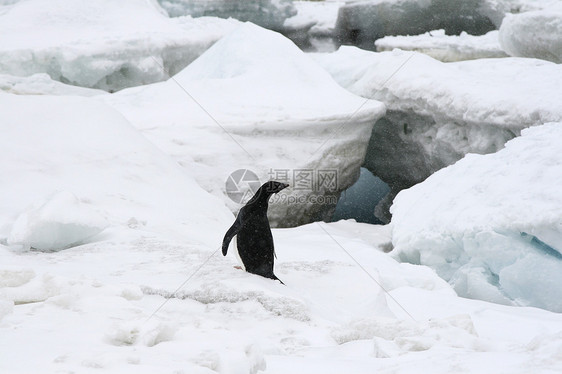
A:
(253, 234)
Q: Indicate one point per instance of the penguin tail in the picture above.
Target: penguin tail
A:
(275, 278)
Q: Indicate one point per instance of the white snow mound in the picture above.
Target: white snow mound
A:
(491, 225)
(80, 145)
(61, 222)
(535, 34)
(255, 101)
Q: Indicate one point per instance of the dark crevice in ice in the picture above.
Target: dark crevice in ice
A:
(359, 201)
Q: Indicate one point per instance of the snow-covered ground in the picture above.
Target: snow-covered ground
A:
(116, 305)
(113, 207)
(446, 48)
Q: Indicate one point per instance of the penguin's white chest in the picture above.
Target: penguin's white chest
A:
(234, 249)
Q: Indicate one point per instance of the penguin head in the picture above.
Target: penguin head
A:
(272, 187)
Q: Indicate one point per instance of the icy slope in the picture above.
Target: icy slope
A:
(491, 225)
(535, 34)
(255, 101)
(438, 112)
(101, 43)
(53, 144)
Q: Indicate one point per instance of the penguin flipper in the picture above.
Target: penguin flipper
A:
(231, 233)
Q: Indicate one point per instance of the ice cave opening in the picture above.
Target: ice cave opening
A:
(359, 200)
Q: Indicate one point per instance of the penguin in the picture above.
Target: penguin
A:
(253, 233)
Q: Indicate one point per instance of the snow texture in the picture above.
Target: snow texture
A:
(266, 13)
(268, 108)
(491, 225)
(115, 306)
(61, 222)
(438, 112)
(52, 144)
(101, 43)
(446, 48)
(536, 34)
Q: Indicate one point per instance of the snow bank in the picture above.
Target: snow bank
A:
(42, 84)
(61, 222)
(267, 13)
(255, 101)
(438, 112)
(79, 145)
(491, 225)
(362, 22)
(535, 34)
(101, 43)
(446, 48)
(6, 307)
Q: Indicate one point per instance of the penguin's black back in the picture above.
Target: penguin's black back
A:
(255, 241)
(254, 238)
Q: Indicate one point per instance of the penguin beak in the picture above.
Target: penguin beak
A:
(282, 187)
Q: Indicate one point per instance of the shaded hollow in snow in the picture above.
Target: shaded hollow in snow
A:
(359, 201)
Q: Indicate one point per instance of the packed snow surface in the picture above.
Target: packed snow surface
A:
(61, 222)
(491, 224)
(143, 302)
(255, 101)
(444, 47)
(319, 16)
(101, 43)
(535, 34)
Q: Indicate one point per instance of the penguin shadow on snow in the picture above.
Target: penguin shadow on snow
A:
(254, 240)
